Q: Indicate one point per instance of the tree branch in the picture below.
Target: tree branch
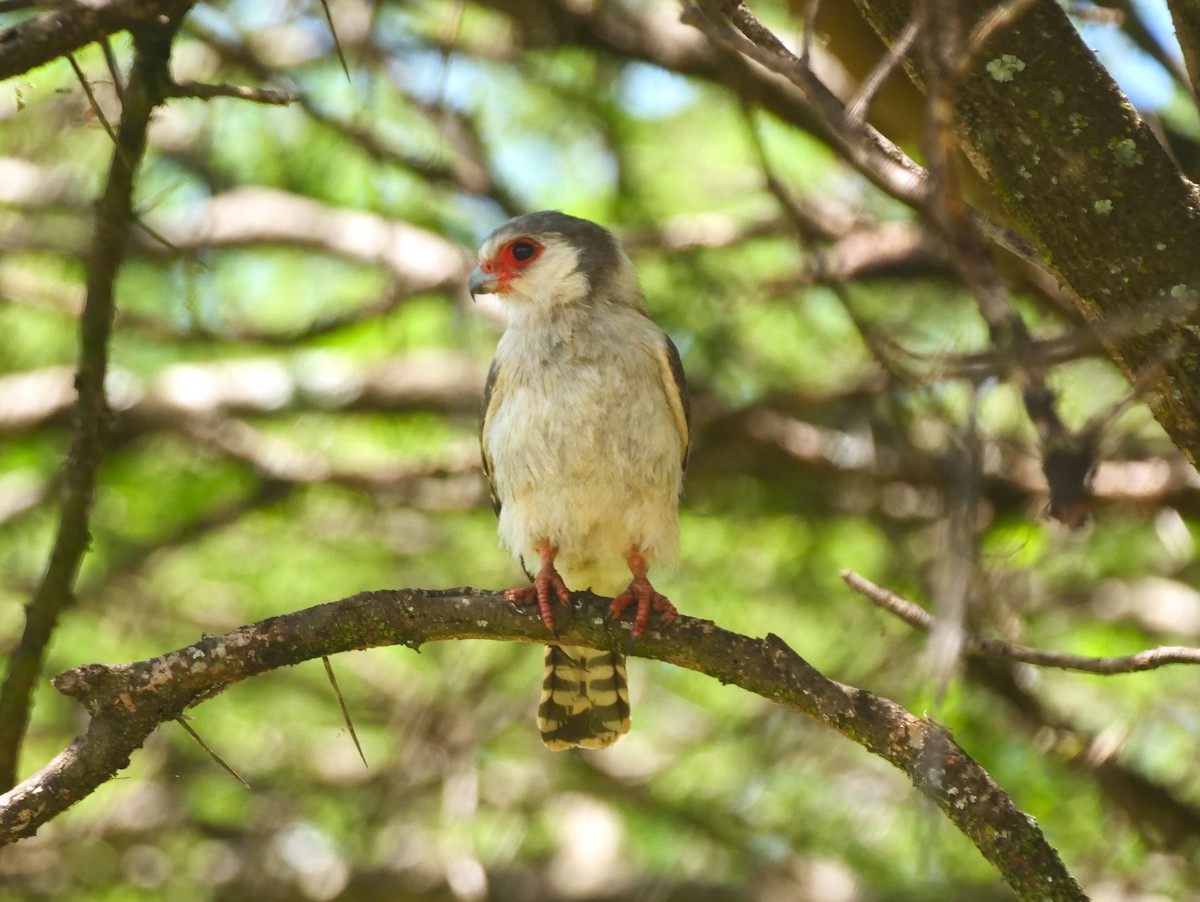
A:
(128, 701)
(872, 154)
(113, 223)
(37, 41)
(920, 619)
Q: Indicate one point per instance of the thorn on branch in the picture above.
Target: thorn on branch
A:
(337, 44)
(337, 692)
(182, 721)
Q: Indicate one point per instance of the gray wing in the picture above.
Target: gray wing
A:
(491, 399)
(675, 385)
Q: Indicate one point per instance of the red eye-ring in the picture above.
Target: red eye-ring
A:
(521, 252)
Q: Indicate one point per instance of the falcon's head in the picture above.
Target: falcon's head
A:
(548, 259)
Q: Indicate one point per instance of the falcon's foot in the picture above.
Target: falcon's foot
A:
(641, 593)
(546, 582)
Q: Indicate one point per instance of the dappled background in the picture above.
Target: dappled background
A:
(295, 374)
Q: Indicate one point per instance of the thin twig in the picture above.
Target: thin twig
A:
(201, 91)
(809, 26)
(920, 619)
(87, 89)
(857, 108)
(114, 70)
(876, 157)
(471, 172)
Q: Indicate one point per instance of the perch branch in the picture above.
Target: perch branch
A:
(128, 701)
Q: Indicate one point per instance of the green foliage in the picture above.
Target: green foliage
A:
(811, 457)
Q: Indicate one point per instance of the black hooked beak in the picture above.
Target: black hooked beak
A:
(482, 282)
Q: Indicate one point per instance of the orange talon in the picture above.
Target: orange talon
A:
(547, 579)
(643, 594)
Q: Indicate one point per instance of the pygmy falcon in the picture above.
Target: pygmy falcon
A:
(585, 437)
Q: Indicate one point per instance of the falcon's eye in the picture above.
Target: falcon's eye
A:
(518, 254)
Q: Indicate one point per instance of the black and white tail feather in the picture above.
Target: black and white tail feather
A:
(585, 698)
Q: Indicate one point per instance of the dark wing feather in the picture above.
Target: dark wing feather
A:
(490, 394)
(684, 409)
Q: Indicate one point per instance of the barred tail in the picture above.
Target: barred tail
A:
(585, 698)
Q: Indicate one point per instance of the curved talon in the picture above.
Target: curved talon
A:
(643, 594)
(546, 580)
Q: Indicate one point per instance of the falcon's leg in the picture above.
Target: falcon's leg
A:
(547, 580)
(641, 592)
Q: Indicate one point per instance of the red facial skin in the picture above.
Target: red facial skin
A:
(506, 267)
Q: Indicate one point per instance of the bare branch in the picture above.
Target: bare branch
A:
(920, 619)
(128, 701)
(201, 91)
(881, 161)
(114, 221)
(857, 108)
(95, 104)
(36, 42)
